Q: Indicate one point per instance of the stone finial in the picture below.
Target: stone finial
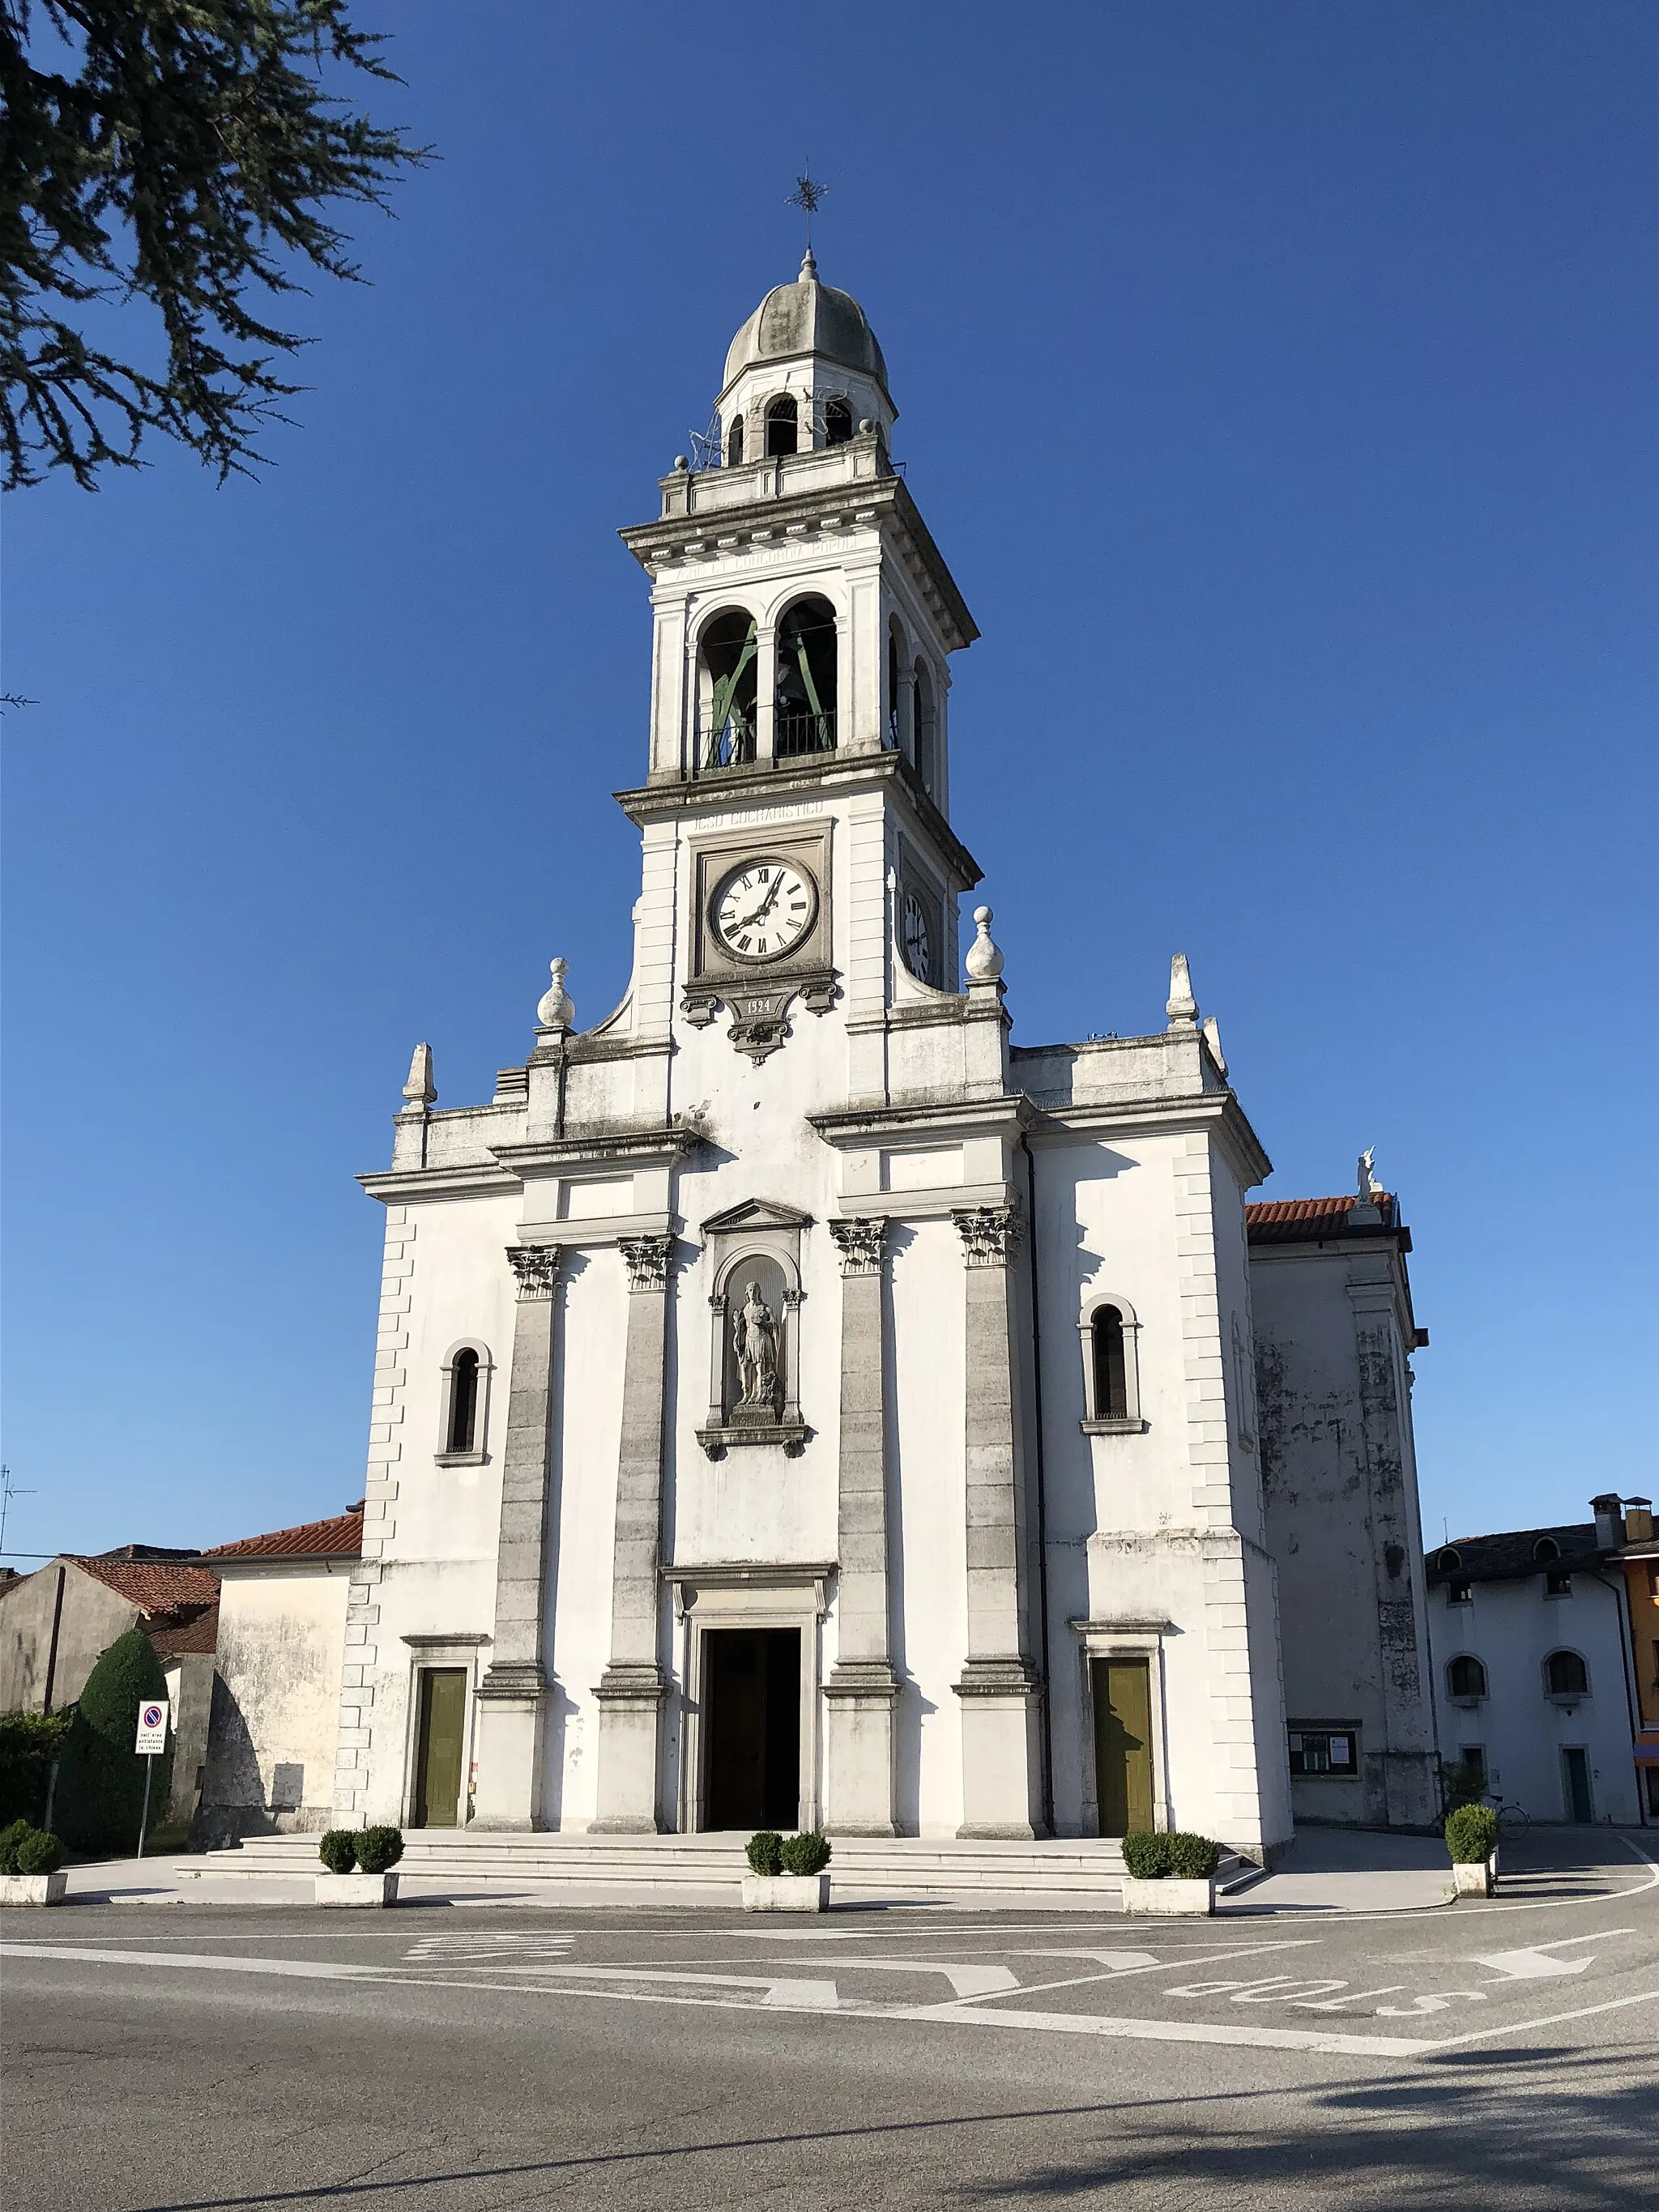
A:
(809, 269)
(554, 1010)
(984, 961)
(682, 464)
(420, 1091)
(1181, 1007)
(1212, 1038)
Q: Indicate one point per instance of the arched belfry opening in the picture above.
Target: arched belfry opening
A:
(837, 421)
(782, 425)
(728, 674)
(734, 443)
(925, 741)
(807, 679)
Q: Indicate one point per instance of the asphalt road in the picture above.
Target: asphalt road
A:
(1477, 2055)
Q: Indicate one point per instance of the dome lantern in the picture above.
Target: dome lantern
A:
(804, 372)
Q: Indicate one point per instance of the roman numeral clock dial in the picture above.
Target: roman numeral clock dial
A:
(763, 909)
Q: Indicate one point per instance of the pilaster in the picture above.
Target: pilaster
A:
(1000, 1688)
(514, 1693)
(631, 1690)
(862, 1691)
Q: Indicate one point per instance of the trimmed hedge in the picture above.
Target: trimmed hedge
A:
(1472, 1835)
(379, 1850)
(100, 1799)
(1178, 1856)
(764, 1851)
(338, 1850)
(24, 1849)
(806, 1854)
(28, 1744)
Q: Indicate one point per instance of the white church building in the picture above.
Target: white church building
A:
(796, 1405)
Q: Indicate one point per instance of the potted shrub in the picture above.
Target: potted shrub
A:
(1172, 1876)
(31, 1862)
(1472, 1839)
(359, 1862)
(786, 1873)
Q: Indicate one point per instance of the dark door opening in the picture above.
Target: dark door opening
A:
(440, 1741)
(751, 1727)
(1123, 1744)
(1575, 1769)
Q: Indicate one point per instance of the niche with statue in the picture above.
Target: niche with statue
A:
(753, 1254)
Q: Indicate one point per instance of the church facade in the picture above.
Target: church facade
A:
(795, 1405)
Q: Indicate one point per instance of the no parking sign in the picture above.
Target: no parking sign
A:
(152, 1725)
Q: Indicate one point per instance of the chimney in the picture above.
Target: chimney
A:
(1610, 1524)
(1638, 1520)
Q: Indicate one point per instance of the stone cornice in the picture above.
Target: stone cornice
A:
(1154, 1116)
(884, 501)
(401, 1186)
(1009, 1113)
(728, 789)
(601, 1148)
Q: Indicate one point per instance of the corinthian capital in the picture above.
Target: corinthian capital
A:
(535, 1267)
(859, 1245)
(989, 1234)
(648, 1261)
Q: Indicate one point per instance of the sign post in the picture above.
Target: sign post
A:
(152, 1741)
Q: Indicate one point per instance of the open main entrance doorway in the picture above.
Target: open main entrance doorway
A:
(751, 1727)
(1123, 1744)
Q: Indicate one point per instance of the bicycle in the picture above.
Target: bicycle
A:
(1513, 1820)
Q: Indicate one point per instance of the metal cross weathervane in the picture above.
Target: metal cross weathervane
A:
(808, 196)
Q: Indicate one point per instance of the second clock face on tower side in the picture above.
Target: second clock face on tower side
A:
(762, 909)
(918, 938)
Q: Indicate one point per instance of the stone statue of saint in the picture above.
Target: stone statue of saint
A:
(755, 1338)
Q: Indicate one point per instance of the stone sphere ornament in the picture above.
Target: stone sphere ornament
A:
(554, 1010)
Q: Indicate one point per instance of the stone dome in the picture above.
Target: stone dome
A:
(807, 318)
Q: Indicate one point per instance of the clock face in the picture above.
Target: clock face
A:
(763, 909)
(918, 938)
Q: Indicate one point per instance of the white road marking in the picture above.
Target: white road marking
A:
(1170, 2031)
(1437, 2001)
(532, 1943)
(968, 1980)
(1532, 1961)
(1120, 1962)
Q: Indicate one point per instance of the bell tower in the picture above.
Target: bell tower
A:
(804, 623)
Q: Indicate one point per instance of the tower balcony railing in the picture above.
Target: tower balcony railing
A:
(804, 733)
(732, 744)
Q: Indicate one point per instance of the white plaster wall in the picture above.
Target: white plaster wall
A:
(282, 1637)
(590, 1339)
(1513, 1627)
(927, 1480)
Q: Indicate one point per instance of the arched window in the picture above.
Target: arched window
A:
(1466, 1678)
(837, 421)
(463, 1417)
(895, 695)
(463, 1401)
(807, 680)
(1450, 1560)
(734, 443)
(1565, 1676)
(727, 683)
(922, 712)
(1106, 1339)
(1546, 1549)
(782, 425)
(1111, 1389)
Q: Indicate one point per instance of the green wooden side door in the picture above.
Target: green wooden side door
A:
(1123, 1744)
(440, 1744)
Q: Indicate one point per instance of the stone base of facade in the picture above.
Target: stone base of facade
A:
(510, 1734)
(862, 1697)
(1001, 1751)
(631, 1701)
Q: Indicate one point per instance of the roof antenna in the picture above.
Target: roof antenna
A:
(808, 196)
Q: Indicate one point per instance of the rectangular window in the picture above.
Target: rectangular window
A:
(1457, 1594)
(1325, 1751)
(1473, 1756)
(1558, 1582)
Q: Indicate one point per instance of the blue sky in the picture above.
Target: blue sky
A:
(1276, 379)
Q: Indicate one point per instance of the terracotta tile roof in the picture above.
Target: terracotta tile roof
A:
(154, 1586)
(1297, 1220)
(342, 1537)
(198, 1632)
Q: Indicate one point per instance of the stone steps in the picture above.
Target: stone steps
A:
(901, 1866)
